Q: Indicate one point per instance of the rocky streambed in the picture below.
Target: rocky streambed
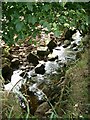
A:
(37, 74)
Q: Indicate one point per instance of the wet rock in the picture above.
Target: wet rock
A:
(32, 99)
(42, 109)
(42, 51)
(51, 45)
(52, 57)
(78, 55)
(75, 48)
(22, 54)
(14, 56)
(73, 45)
(24, 74)
(15, 63)
(32, 58)
(69, 33)
(16, 47)
(40, 69)
(7, 73)
(66, 43)
(52, 37)
(59, 43)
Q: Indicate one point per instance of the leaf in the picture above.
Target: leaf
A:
(45, 24)
(41, 22)
(29, 18)
(30, 41)
(46, 7)
(19, 26)
(30, 6)
(49, 27)
(54, 25)
(57, 33)
(34, 20)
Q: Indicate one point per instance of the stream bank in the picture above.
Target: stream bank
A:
(78, 103)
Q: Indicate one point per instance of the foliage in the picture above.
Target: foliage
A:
(20, 20)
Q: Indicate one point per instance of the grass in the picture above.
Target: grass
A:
(78, 97)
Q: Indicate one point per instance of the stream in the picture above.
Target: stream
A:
(37, 83)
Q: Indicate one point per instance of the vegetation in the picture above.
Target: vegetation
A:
(78, 96)
(20, 20)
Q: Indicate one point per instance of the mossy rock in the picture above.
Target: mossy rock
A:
(66, 43)
(5, 61)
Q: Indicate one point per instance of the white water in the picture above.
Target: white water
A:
(16, 82)
(50, 66)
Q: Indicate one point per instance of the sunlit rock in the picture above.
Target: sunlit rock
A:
(52, 57)
(66, 43)
(42, 51)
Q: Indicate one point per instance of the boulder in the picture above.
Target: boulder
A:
(7, 73)
(51, 45)
(52, 57)
(69, 33)
(66, 43)
(42, 51)
(73, 45)
(15, 63)
(24, 74)
(40, 69)
(42, 109)
(32, 58)
(78, 55)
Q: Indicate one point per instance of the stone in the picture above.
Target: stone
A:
(42, 51)
(59, 43)
(32, 58)
(14, 56)
(78, 55)
(42, 109)
(51, 45)
(66, 43)
(7, 73)
(24, 74)
(73, 45)
(40, 69)
(15, 63)
(52, 57)
(69, 33)
(16, 47)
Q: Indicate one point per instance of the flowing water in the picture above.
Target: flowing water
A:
(51, 67)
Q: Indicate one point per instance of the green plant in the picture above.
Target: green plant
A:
(20, 20)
